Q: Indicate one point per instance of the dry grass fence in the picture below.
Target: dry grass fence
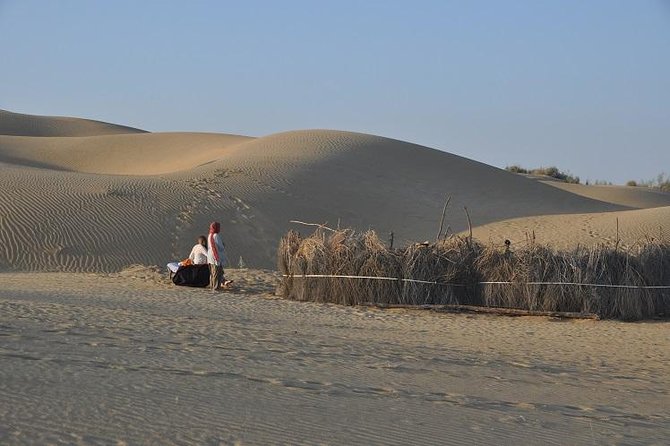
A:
(606, 281)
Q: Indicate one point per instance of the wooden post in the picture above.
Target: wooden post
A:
(444, 211)
(469, 223)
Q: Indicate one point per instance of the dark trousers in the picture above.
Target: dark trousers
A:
(215, 276)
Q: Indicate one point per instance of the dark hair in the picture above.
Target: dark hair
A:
(202, 240)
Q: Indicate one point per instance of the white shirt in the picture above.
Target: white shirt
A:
(198, 255)
(220, 248)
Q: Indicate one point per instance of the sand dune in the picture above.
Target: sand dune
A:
(566, 231)
(634, 197)
(128, 154)
(99, 203)
(19, 124)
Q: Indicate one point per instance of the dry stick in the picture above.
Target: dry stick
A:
(444, 211)
(312, 224)
(469, 222)
(616, 247)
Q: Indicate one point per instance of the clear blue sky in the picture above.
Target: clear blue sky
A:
(583, 85)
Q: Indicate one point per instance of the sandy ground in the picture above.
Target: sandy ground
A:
(127, 358)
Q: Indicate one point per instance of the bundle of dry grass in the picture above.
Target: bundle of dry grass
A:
(354, 254)
(420, 262)
(450, 263)
(288, 247)
(344, 246)
(655, 263)
(378, 261)
(496, 265)
(540, 264)
(609, 266)
(311, 257)
(602, 280)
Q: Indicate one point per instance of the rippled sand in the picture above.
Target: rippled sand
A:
(127, 358)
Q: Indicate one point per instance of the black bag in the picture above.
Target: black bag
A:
(192, 275)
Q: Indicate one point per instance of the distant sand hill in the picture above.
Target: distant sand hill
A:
(19, 124)
(83, 195)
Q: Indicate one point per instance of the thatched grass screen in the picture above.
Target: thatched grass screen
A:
(606, 281)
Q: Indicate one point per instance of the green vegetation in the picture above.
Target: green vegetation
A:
(552, 172)
(661, 182)
(601, 183)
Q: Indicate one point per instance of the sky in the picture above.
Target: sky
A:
(582, 85)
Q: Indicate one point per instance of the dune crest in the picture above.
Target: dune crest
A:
(634, 197)
(127, 154)
(19, 124)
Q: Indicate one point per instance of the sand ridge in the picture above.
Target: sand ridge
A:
(630, 196)
(630, 228)
(122, 154)
(19, 124)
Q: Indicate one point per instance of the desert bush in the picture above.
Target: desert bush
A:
(515, 168)
(552, 172)
(661, 182)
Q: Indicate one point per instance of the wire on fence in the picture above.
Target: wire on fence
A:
(431, 282)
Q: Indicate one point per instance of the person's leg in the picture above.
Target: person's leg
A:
(213, 283)
(225, 283)
(219, 276)
(172, 268)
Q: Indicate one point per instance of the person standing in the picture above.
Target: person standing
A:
(216, 256)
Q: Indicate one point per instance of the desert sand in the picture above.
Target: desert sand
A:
(126, 358)
(96, 350)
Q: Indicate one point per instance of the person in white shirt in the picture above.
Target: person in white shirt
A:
(198, 255)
